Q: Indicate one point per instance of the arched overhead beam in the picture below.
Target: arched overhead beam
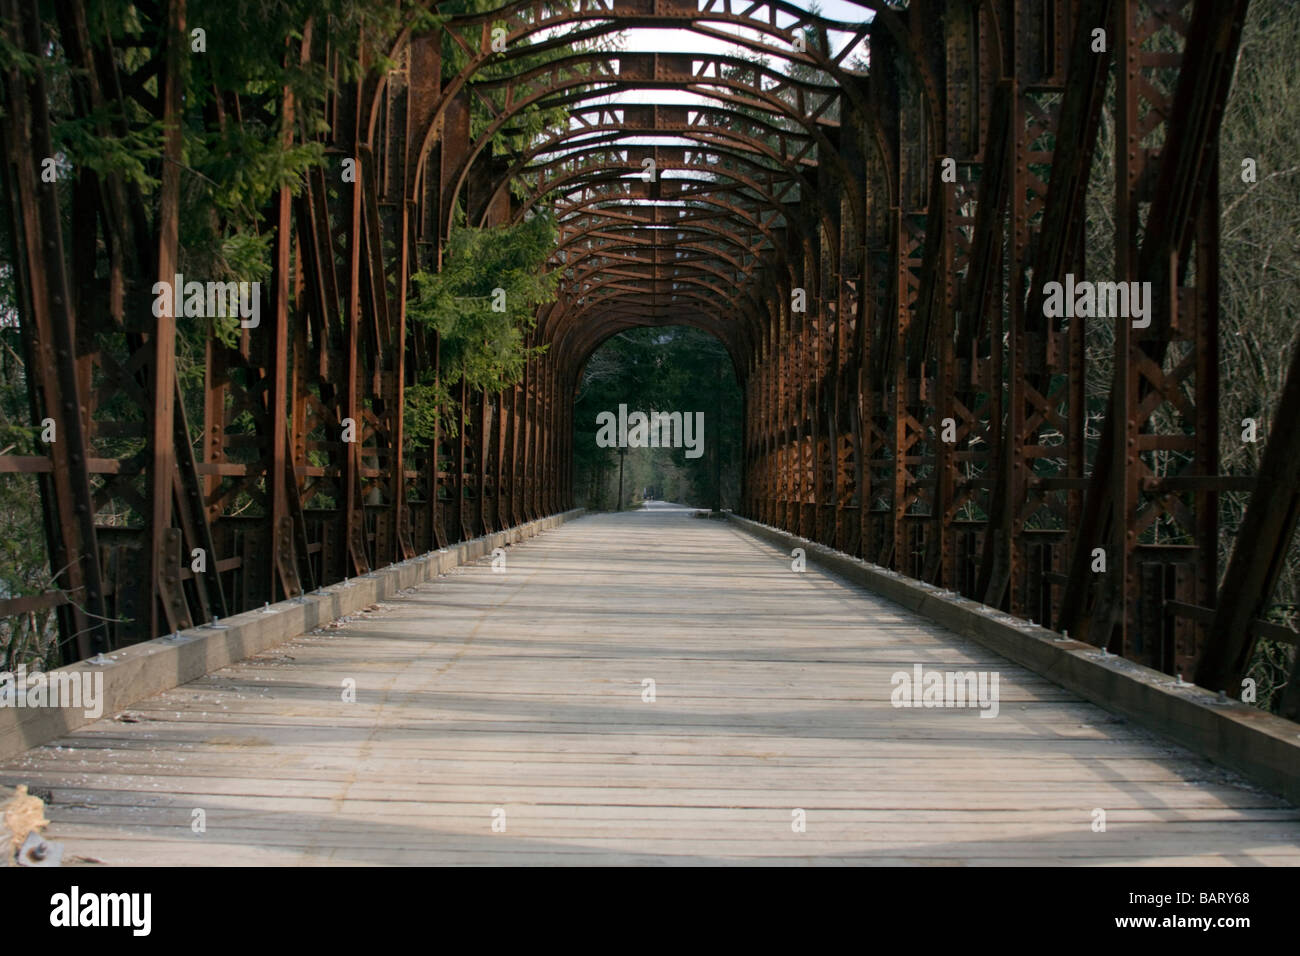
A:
(667, 71)
(611, 136)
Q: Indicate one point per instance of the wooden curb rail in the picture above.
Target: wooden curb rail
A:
(142, 670)
(1262, 747)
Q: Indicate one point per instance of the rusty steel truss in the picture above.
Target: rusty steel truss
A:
(870, 244)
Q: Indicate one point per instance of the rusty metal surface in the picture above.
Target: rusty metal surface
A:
(871, 249)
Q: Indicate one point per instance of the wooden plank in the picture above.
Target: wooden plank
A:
(523, 691)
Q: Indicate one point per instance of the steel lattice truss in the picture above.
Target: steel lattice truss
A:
(870, 245)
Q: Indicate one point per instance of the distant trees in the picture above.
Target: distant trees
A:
(1259, 275)
(660, 369)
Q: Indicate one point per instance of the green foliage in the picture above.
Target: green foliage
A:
(482, 305)
(232, 178)
(130, 155)
(427, 408)
(660, 369)
(239, 171)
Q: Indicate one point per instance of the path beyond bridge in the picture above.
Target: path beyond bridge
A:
(508, 717)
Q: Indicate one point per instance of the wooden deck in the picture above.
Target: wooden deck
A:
(522, 692)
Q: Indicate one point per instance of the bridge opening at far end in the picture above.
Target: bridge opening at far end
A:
(657, 417)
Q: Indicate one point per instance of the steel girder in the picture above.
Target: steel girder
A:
(1015, 507)
(872, 249)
